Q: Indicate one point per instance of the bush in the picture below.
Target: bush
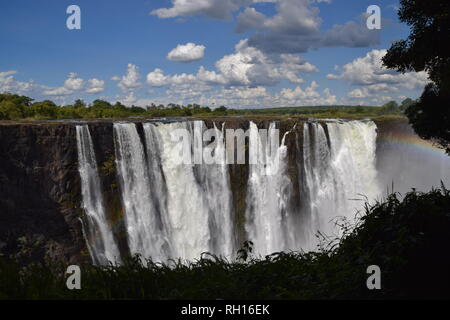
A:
(409, 239)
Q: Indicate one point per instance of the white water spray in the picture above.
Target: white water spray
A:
(100, 241)
(146, 235)
(269, 189)
(340, 173)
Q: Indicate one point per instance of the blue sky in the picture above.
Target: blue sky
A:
(239, 53)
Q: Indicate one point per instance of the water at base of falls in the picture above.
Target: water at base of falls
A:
(174, 210)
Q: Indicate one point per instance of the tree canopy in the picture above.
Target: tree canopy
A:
(426, 49)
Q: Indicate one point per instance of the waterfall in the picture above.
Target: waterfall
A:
(177, 204)
(340, 173)
(198, 196)
(146, 235)
(269, 188)
(215, 182)
(99, 238)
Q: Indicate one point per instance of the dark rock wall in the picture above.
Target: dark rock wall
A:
(40, 193)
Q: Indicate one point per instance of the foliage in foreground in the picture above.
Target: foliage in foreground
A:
(409, 239)
(426, 49)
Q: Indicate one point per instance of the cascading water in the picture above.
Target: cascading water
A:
(198, 197)
(267, 217)
(215, 182)
(146, 236)
(340, 172)
(175, 209)
(100, 241)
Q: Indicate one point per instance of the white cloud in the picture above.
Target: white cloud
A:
(130, 81)
(187, 53)
(9, 84)
(246, 93)
(216, 9)
(251, 66)
(369, 72)
(248, 66)
(305, 97)
(260, 96)
(95, 86)
(243, 96)
(129, 99)
(58, 91)
(71, 84)
(157, 78)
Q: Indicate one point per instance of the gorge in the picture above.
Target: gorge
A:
(100, 191)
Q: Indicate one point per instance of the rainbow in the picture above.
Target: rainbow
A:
(413, 139)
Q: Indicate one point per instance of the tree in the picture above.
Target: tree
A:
(46, 109)
(79, 104)
(10, 111)
(406, 103)
(101, 104)
(16, 99)
(426, 49)
(391, 106)
(430, 117)
(221, 109)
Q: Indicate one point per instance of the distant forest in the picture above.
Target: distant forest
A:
(17, 107)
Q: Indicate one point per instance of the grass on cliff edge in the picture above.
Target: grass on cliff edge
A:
(408, 238)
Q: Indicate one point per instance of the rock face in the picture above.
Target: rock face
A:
(40, 192)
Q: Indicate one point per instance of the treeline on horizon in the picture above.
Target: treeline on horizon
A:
(18, 107)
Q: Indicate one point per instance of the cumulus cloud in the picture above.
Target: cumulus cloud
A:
(295, 28)
(260, 96)
(216, 9)
(95, 86)
(292, 17)
(130, 81)
(352, 34)
(244, 96)
(9, 84)
(374, 82)
(71, 84)
(129, 99)
(247, 66)
(157, 78)
(369, 71)
(307, 96)
(187, 53)
(251, 66)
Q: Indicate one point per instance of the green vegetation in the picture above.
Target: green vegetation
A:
(408, 239)
(15, 107)
(352, 112)
(426, 49)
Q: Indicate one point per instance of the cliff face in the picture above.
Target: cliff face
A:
(40, 192)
